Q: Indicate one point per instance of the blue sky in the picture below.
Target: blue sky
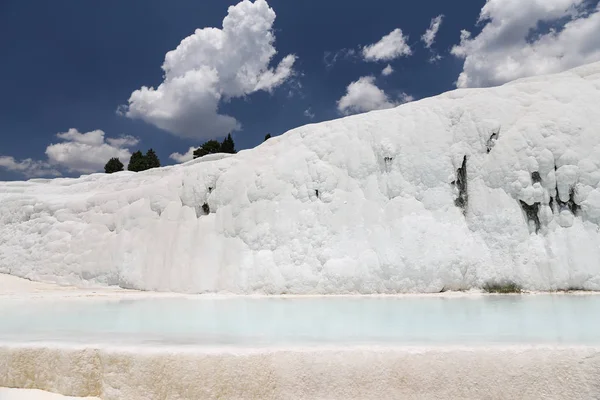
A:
(70, 64)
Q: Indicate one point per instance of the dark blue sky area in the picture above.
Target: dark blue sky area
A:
(71, 63)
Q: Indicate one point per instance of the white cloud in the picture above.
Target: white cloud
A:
(294, 87)
(123, 141)
(362, 96)
(516, 43)
(330, 57)
(185, 157)
(387, 71)
(434, 58)
(78, 152)
(93, 138)
(405, 98)
(309, 113)
(429, 36)
(210, 67)
(390, 47)
(28, 167)
(87, 152)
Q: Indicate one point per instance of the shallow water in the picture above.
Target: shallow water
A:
(256, 322)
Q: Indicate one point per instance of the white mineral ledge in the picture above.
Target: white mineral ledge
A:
(31, 394)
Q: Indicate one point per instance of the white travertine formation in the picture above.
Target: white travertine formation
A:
(373, 203)
(33, 394)
(350, 373)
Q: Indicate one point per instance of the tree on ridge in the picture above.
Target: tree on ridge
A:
(113, 165)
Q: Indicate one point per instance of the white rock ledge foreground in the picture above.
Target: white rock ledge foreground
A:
(359, 373)
(33, 394)
(448, 193)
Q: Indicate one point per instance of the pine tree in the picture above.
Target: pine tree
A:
(152, 160)
(231, 144)
(210, 147)
(113, 165)
(228, 146)
(267, 137)
(137, 162)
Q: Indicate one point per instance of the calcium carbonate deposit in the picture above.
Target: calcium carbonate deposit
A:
(453, 192)
(25, 394)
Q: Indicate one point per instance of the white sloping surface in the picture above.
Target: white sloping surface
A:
(30, 394)
(384, 220)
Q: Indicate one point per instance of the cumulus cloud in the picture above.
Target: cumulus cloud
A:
(390, 47)
(363, 95)
(87, 152)
(429, 36)
(526, 38)
(210, 67)
(28, 167)
(387, 71)
(123, 141)
(185, 157)
(77, 152)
